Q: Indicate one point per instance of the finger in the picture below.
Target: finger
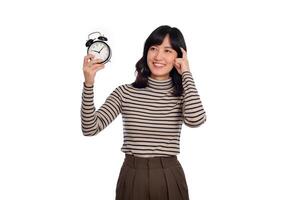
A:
(87, 58)
(177, 65)
(178, 68)
(183, 52)
(100, 67)
(95, 66)
(94, 61)
(89, 65)
(178, 60)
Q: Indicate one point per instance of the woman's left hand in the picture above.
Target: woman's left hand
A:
(182, 64)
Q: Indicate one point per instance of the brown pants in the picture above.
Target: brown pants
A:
(157, 178)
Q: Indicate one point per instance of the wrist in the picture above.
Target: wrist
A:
(88, 84)
(185, 71)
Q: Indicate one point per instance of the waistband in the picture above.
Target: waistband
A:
(150, 163)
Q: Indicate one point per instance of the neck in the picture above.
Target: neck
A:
(159, 78)
(165, 84)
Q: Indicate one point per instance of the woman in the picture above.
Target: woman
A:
(153, 109)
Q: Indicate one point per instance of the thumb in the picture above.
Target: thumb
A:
(100, 67)
(177, 64)
(177, 67)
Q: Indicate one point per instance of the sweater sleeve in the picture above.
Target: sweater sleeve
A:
(92, 121)
(192, 109)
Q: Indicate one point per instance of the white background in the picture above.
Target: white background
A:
(244, 57)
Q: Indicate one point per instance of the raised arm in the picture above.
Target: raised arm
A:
(92, 121)
(192, 108)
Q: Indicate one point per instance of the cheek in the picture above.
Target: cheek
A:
(149, 56)
(171, 64)
(172, 60)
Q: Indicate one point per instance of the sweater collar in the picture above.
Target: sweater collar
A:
(160, 84)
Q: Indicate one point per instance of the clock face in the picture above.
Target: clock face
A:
(100, 50)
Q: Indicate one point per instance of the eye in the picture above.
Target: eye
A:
(168, 51)
(152, 48)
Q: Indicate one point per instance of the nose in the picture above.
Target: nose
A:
(158, 55)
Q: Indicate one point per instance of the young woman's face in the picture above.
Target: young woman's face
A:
(161, 59)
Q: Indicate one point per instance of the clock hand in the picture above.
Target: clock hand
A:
(101, 49)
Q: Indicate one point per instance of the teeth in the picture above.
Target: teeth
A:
(158, 65)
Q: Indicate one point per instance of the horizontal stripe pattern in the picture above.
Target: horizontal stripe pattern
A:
(152, 116)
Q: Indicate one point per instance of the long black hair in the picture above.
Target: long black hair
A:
(156, 38)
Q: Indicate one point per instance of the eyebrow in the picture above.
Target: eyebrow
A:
(167, 47)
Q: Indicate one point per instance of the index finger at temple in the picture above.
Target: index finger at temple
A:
(183, 52)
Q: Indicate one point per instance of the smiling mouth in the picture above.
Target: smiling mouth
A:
(159, 65)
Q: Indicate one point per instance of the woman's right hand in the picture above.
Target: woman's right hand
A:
(90, 67)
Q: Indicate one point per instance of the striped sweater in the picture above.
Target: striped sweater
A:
(152, 117)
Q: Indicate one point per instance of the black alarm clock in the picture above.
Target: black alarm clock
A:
(98, 47)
